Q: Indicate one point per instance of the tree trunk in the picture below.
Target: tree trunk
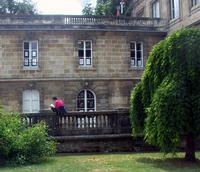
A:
(190, 148)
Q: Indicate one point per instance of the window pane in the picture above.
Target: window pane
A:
(88, 53)
(132, 45)
(80, 44)
(26, 54)
(26, 62)
(139, 54)
(34, 53)
(88, 45)
(26, 45)
(34, 62)
(139, 63)
(90, 104)
(132, 62)
(34, 45)
(132, 53)
(88, 61)
(90, 94)
(80, 104)
(138, 46)
(81, 94)
(80, 53)
(81, 61)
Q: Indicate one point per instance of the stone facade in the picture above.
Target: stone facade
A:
(110, 77)
(188, 14)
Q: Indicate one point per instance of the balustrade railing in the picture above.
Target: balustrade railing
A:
(81, 20)
(80, 123)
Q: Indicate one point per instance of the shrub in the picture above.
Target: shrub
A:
(20, 144)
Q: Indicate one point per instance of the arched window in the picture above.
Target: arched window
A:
(86, 101)
(31, 101)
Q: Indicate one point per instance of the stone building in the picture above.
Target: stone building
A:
(178, 13)
(92, 63)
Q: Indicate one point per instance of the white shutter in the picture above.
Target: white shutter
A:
(176, 8)
(31, 101)
(35, 101)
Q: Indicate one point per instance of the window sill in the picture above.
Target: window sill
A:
(174, 21)
(195, 8)
(86, 68)
(30, 69)
(135, 68)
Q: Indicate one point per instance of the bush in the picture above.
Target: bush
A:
(20, 144)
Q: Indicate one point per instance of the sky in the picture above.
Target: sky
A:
(66, 7)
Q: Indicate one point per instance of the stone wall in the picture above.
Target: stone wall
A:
(111, 78)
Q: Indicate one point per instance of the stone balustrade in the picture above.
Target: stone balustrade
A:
(63, 22)
(82, 123)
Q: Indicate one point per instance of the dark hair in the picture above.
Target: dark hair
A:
(54, 98)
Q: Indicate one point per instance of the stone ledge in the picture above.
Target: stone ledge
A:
(92, 137)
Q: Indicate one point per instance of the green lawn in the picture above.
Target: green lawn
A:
(119, 162)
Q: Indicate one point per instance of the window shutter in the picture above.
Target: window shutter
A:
(31, 101)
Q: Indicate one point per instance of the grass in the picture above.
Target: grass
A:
(117, 162)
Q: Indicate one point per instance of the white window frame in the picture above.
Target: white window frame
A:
(134, 60)
(85, 61)
(174, 9)
(85, 109)
(156, 9)
(195, 2)
(30, 101)
(30, 55)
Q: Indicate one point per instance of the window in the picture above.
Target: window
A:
(86, 101)
(31, 103)
(30, 54)
(136, 54)
(195, 2)
(174, 9)
(156, 9)
(85, 53)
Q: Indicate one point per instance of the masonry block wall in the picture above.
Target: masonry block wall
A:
(187, 11)
(59, 74)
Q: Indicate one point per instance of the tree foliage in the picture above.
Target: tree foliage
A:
(88, 10)
(17, 7)
(166, 102)
(107, 8)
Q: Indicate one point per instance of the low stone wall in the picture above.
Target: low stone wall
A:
(102, 143)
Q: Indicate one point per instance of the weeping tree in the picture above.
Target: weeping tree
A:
(165, 104)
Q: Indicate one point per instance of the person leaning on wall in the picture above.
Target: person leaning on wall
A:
(58, 106)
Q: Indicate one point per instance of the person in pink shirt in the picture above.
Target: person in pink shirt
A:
(59, 107)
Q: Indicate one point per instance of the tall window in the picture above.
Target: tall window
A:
(31, 101)
(195, 2)
(86, 101)
(136, 54)
(156, 9)
(85, 53)
(30, 54)
(174, 8)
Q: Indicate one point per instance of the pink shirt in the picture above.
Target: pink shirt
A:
(58, 103)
